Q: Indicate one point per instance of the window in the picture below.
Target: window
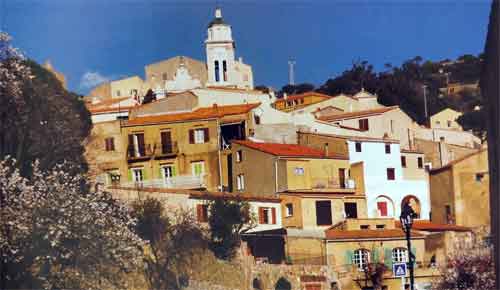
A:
(216, 71)
(438, 123)
(449, 217)
(351, 210)
(110, 144)
(361, 258)
(448, 123)
(479, 177)
(164, 76)
(202, 213)
(364, 227)
(363, 124)
(137, 174)
(380, 227)
(166, 142)
(267, 215)
(198, 168)
(390, 174)
(323, 213)
(342, 181)
(299, 171)
(403, 161)
(399, 255)
(382, 208)
(198, 136)
(168, 171)
(136, 146)
(256, 119)
(387, 148)
(240, 182)
(224, 70)
(420, 162)
(289, 209)
(358, 146)
(239, 156)
(118, 93)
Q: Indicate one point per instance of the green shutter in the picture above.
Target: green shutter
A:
(414, 252)
(374, 256)
(388, 258)
(129, 174)
(160, 172)
(348, 257)
(144, 175)
(174, 170)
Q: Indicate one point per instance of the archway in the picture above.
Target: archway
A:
(283, 284)
(414, 203)
(385, 206)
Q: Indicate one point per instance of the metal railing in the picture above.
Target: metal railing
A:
(151, 150)
(181, 181)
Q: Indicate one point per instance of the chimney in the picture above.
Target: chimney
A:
(326, 149)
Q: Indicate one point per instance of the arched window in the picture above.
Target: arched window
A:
(399, 255)
(216, 71)
(224, 70)
(361, 258)
(385, 206)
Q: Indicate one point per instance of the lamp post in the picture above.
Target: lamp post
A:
(406, 219)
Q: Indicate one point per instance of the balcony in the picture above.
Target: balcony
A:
(333, 183)
(179, 182)
(147, 151)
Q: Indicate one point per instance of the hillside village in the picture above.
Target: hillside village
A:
(326, 176)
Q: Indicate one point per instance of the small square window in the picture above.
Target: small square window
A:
(358, 146)
(299, 171)
(110, 144)
(380, 227)
(387, 148)
(391, 174)
(420, 162)
(479, 177)
(364, 227)
(403, 161)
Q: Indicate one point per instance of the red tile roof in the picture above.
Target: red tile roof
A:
(289, 150)
(303, 95)
(425, 225)
(198, 114)
(357, 114)
(108, 105)
(333, 234)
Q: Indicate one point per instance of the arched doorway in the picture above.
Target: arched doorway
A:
(283, 284)
(385, 206)
(414, 203)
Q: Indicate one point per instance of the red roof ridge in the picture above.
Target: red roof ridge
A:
(337, 234)
(426, 225)
(287, 150)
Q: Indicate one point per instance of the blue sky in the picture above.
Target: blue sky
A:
(108, 39)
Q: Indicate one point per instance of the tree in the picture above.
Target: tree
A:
(56, 235)
(33, 106)
(174, 242)
(470, 268)
(227, 220)
(296, 89)
(475, 121)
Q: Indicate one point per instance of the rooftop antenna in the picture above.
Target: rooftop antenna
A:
(291, 72)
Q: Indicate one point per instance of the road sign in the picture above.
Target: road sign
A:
(399, 270)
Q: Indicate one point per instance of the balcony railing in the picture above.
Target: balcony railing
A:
(181, 182)
(151, 150)
(324, 183)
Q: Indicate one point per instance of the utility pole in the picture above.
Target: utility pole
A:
(425, 104)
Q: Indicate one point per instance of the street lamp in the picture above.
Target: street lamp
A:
(406, 219)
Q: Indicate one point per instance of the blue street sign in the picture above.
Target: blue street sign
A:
(399, 270)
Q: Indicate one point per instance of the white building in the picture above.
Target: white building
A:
(391, 177)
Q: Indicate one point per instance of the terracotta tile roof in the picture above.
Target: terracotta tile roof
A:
(198, 114)
(288, 150)
(446, 166)
(107, 105)
(411, 151)
(425, 225)
(333, 234)
(303, 95)
(352, 138)
(357, 114)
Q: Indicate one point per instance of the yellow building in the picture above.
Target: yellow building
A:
(295, 102)
(178, 150)
(315, 186)
(446, 119)
(460, 191)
